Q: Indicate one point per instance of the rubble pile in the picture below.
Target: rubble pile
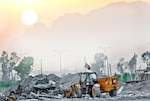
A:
(49, 76)
(140, 86)
(37, 87)
(53, 77)
(26, 88)
(49, 86)
(69, 79)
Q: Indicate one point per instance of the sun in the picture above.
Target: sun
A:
(29, 17)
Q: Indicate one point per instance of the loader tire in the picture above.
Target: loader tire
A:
(77, 92)
(64, 94)
(96, 91)
(113, 93)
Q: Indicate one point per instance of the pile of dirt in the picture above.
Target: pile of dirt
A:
(53, 77)
(121, 84)
(69, 79)
(140, 86)
(49, 76)
(27, 85)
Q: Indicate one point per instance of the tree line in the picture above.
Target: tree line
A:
(23, 66)
(122, 65)
(13, 62)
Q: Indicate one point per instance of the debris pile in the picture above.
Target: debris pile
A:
(140, 86)
(50, 86)
(41, 87)
(33, 87)
(69, 79)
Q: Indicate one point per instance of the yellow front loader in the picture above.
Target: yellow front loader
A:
(87, 85)
(90, 84)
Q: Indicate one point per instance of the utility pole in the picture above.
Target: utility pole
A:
(85, 62)
(41, 68)
(104, 49)
(60, 63)
(75, 68)
(60, 56)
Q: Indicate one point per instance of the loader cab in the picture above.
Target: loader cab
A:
(88, 84)
(89, 77)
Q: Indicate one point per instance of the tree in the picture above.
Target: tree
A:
(132, 65)
(24, 67)
(99, 62)
(146, 57)
(13, 60)
(7, 64)
(120, 65)
(4, 65)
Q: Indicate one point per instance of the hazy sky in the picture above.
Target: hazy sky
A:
(47, 10)
(51, 14)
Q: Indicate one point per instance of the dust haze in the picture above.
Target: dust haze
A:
(122, 26)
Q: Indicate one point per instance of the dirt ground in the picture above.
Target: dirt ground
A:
(126, 96)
